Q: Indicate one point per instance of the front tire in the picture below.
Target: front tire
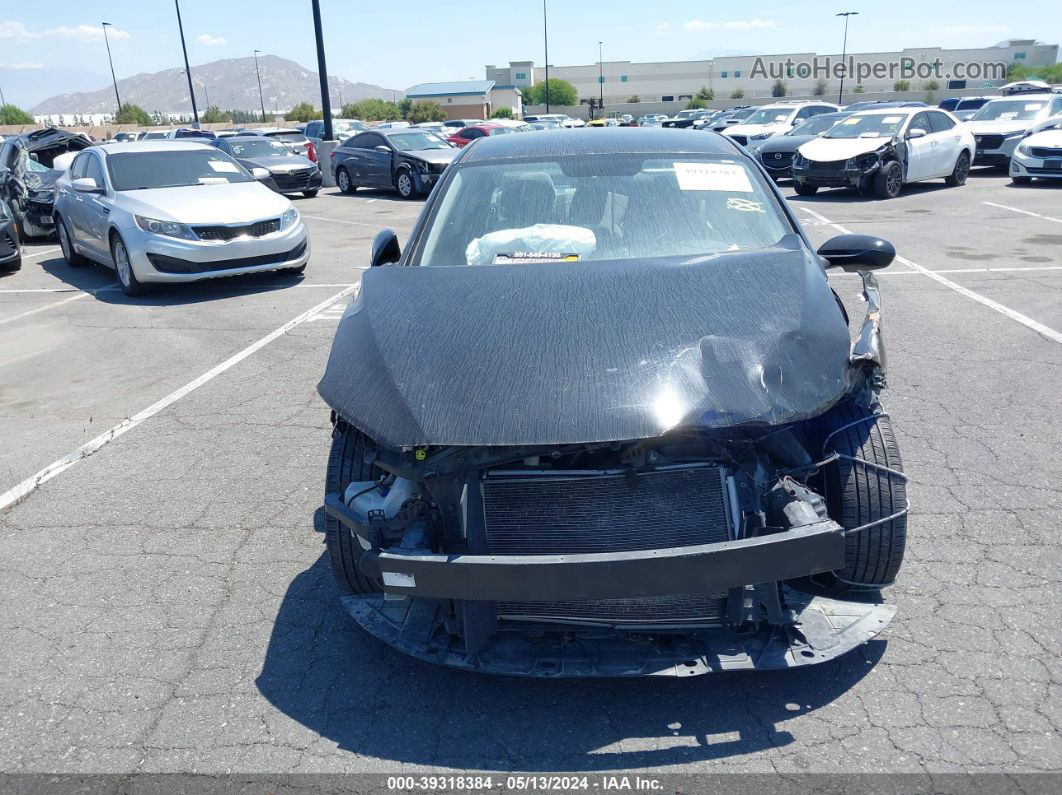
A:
(805, 190)
(309, 194)
(958, 176)
(346, 465)
(344, 182)
(404, 184)
(888, 181)
(66, 244)
(862, 491)
(131, 286)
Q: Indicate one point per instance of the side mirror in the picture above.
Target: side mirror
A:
(383, 149)
(857, 252)
(385, 248)
(916, 132)
(260, 173)
(86, 185)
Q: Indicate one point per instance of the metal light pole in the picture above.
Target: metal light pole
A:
(261, 97)
(322, 71)
(187, 68)
(113, 78)
(844, 51)
(545, 41)
(600, 82)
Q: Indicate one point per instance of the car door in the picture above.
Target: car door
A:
(96, 208)
(73, 204)
(948, 142)
(351, 156)
(921, 152)
(376, 171)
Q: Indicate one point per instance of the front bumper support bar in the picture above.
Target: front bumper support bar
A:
(704, 568)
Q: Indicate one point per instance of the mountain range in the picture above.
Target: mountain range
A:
(231, 84)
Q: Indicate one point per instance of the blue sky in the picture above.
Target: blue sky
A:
(399, 43)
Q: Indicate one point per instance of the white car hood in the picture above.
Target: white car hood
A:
(241, 202)
(829, 149)
(755, 129)
(999, 126)
(1050, 138)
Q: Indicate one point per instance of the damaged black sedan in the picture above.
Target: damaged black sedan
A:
(603, 417)
(30, 164)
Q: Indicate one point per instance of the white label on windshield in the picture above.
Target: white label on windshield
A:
(713, 176)
(1034, 106)
(213, 181)
(852, 120)
(224, 167)
(892, 119)
(1010, 114)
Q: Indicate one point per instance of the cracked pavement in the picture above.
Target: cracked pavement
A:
(166, 605)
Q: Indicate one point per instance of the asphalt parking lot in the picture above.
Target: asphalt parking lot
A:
(167, 605)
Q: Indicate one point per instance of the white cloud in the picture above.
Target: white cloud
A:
(735, 24)
(210, 41)
(11, 29)
(21, 66)
(663, 28)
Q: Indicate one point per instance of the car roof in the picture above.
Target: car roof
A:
(609, 140)
(153, 145)
(841, 114)
(901, 111)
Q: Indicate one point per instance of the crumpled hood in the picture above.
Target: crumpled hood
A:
(242, 202)
(434, 155)
(998, 126)
(829, 149)
(556, 353)
(43, 180)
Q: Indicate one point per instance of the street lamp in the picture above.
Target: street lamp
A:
(187, 68)
(113, 78)
(600, 82)
(844, 50)
(322, 72)
(261, 98)
(545, 42)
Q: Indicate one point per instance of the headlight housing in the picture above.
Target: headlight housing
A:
(1024, 149)
(799, 161)
(288, 219)
(760, 136)
(165, 228)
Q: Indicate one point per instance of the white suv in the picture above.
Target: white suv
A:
(775, 119)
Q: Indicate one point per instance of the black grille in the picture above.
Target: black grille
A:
(174, 265)
(294, 180)
(259, 229)
(776, 160)
(571, 513)
(741, 139)
(989, 141)
(1046, 151)
(826, 165)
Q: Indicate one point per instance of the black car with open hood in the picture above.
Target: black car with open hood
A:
(603, 417)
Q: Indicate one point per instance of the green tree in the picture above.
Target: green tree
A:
(561, 92)
(779, 89)
(502, 113)
(405, 105)
(244, 116)
(696, 102)
(214, 115)
(859, 89)
(12, 114)
(1049, 74)
(634, 99)
(304, 111)
(371, 110)
(737, 93)
(901, 85)
(423, 110)
(705, 94)
(931, 85)
(820, 88)
(527, 95)
(129, 113)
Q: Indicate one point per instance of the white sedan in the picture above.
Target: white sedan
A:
(1039, 154)
(880, 151)
(174, 212)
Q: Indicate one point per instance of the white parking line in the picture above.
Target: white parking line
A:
(20, 491)
(1024, 212)
(40, 253)
(44, 308)
(1028, 322)
(976, 270)
(354, 223)
(43, 290)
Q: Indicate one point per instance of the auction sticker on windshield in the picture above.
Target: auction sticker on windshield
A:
(223, 166)
(713, 176)
(892, 119)
(528, 257)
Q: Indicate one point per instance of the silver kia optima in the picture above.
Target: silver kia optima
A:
(172, 211)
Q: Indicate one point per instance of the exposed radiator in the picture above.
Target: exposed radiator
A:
(568, 512)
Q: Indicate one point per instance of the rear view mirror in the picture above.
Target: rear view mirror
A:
(857, 252)
(385, 248)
